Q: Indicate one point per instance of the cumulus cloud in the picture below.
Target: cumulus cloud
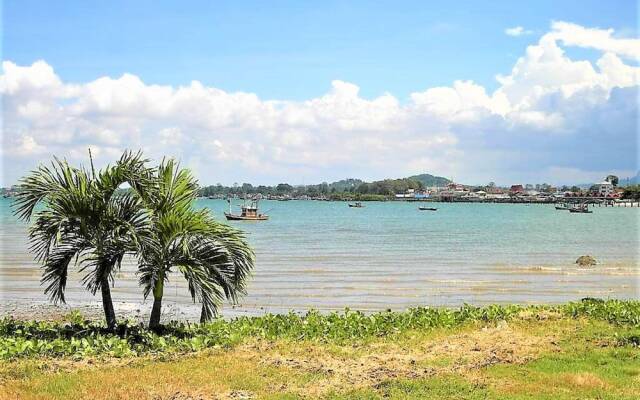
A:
(517, 31)
(549, 114)
(599, 39)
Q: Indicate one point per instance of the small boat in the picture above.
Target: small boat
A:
(357, 204)
(427, 209)
(562, 207)
(249, 212)
(582, 208)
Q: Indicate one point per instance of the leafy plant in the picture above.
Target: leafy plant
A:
(82, 338)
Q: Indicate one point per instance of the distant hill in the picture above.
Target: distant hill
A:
(430, 180)
(346, 184)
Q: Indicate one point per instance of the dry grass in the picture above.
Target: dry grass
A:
(412, 358)
(584, 380)
(259, 369)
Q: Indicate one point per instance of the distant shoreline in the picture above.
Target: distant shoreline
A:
(591, 201)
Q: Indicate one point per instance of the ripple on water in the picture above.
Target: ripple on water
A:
(389, 255)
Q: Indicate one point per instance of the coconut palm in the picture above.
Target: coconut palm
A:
(83, 220)
(214, 259)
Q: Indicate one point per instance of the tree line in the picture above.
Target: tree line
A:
(344, 188)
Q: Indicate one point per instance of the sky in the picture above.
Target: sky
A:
(305, 92)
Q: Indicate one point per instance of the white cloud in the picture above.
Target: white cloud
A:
(542, 113)
(517, 31)
(599, 39)
(27, 146)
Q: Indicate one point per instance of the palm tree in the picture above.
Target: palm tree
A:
(214, 259)
(85, 221)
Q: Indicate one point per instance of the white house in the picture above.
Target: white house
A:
(604, 188)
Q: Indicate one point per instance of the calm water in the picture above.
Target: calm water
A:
(390, 255)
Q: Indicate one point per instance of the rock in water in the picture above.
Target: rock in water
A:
(586, 261)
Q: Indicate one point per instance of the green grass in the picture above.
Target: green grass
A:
(582, 350)
(587, 373)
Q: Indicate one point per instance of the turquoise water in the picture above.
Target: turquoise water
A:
(390, 255)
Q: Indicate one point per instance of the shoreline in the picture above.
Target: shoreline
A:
(591, 201)
(472, 291)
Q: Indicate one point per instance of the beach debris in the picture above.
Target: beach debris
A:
(586, 261)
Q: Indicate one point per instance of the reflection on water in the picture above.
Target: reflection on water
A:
(389, 255)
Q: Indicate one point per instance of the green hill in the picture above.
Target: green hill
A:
(346, 184)
(430, 180)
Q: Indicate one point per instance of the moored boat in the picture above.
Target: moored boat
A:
(580, 208)
(427, 208)
(248, 212)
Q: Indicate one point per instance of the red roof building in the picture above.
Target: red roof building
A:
(516, 189)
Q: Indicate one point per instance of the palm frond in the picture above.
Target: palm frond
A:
(131, 169)
(56, 266)
(45, 183)
(241, 255)
(202, 288)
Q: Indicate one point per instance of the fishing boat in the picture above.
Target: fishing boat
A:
(582, 208)
(249, 212)
(427, 209)
(357, 204)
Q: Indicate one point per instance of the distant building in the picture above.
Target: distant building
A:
(604, 189)
(494, 190)
(413, 194)
(516, 189)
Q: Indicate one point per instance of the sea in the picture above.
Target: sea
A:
(387, 255)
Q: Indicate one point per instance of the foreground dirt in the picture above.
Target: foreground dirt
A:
(418, 357)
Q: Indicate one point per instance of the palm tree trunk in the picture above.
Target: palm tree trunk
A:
(154, 321)
(107, 304)
(204, 317)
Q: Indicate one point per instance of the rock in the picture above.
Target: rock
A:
(586, 261)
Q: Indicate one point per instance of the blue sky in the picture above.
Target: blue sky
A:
(292, 91)
(291, 49)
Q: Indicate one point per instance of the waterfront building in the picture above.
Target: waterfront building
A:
(516, 189)
(604, 189)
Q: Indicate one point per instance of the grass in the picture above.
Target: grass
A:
(587, 349)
